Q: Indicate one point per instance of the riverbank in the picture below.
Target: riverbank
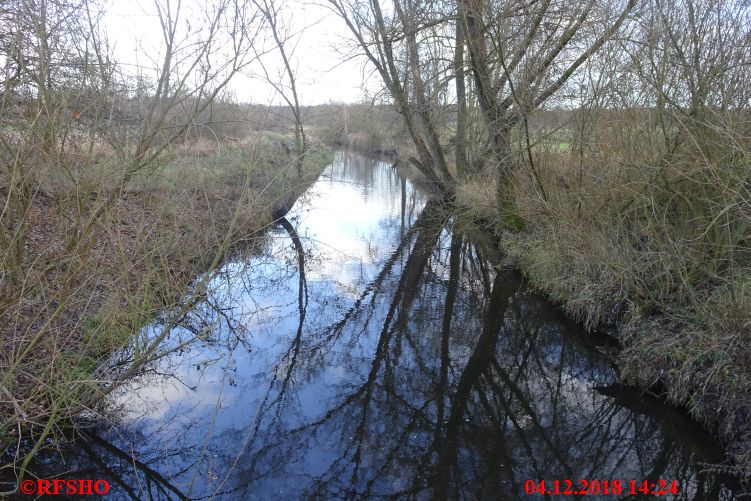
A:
(685, 339)
(376, 308)
(200, 205)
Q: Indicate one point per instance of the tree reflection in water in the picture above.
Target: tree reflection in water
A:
(390, 359)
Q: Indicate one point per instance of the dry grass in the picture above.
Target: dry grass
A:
(199, 205)
(477, 195)
(657, 242)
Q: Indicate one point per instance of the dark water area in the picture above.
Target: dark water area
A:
(373, 350)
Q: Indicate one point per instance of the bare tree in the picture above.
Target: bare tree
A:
(523, 54)
(63, 95)
(461, 99)
(280, 32)
(392, 44)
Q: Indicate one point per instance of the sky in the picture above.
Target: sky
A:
(324, 72)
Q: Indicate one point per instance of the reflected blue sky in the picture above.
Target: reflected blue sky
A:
(373, 351)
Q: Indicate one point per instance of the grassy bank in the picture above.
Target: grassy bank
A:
(78, 300)
(653, 242)
(637, 219)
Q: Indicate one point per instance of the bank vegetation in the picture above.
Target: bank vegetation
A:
(609, 142)
(121, 190)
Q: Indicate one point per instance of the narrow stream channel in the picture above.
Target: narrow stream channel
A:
(373, 351)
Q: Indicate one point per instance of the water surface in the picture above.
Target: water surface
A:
(373, 350)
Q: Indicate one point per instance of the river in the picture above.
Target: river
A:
(374, 350)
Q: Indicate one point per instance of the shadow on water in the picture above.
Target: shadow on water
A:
(373, 351)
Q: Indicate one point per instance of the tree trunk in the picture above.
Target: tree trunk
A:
(461, 102)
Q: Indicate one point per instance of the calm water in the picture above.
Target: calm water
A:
(373, 350)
